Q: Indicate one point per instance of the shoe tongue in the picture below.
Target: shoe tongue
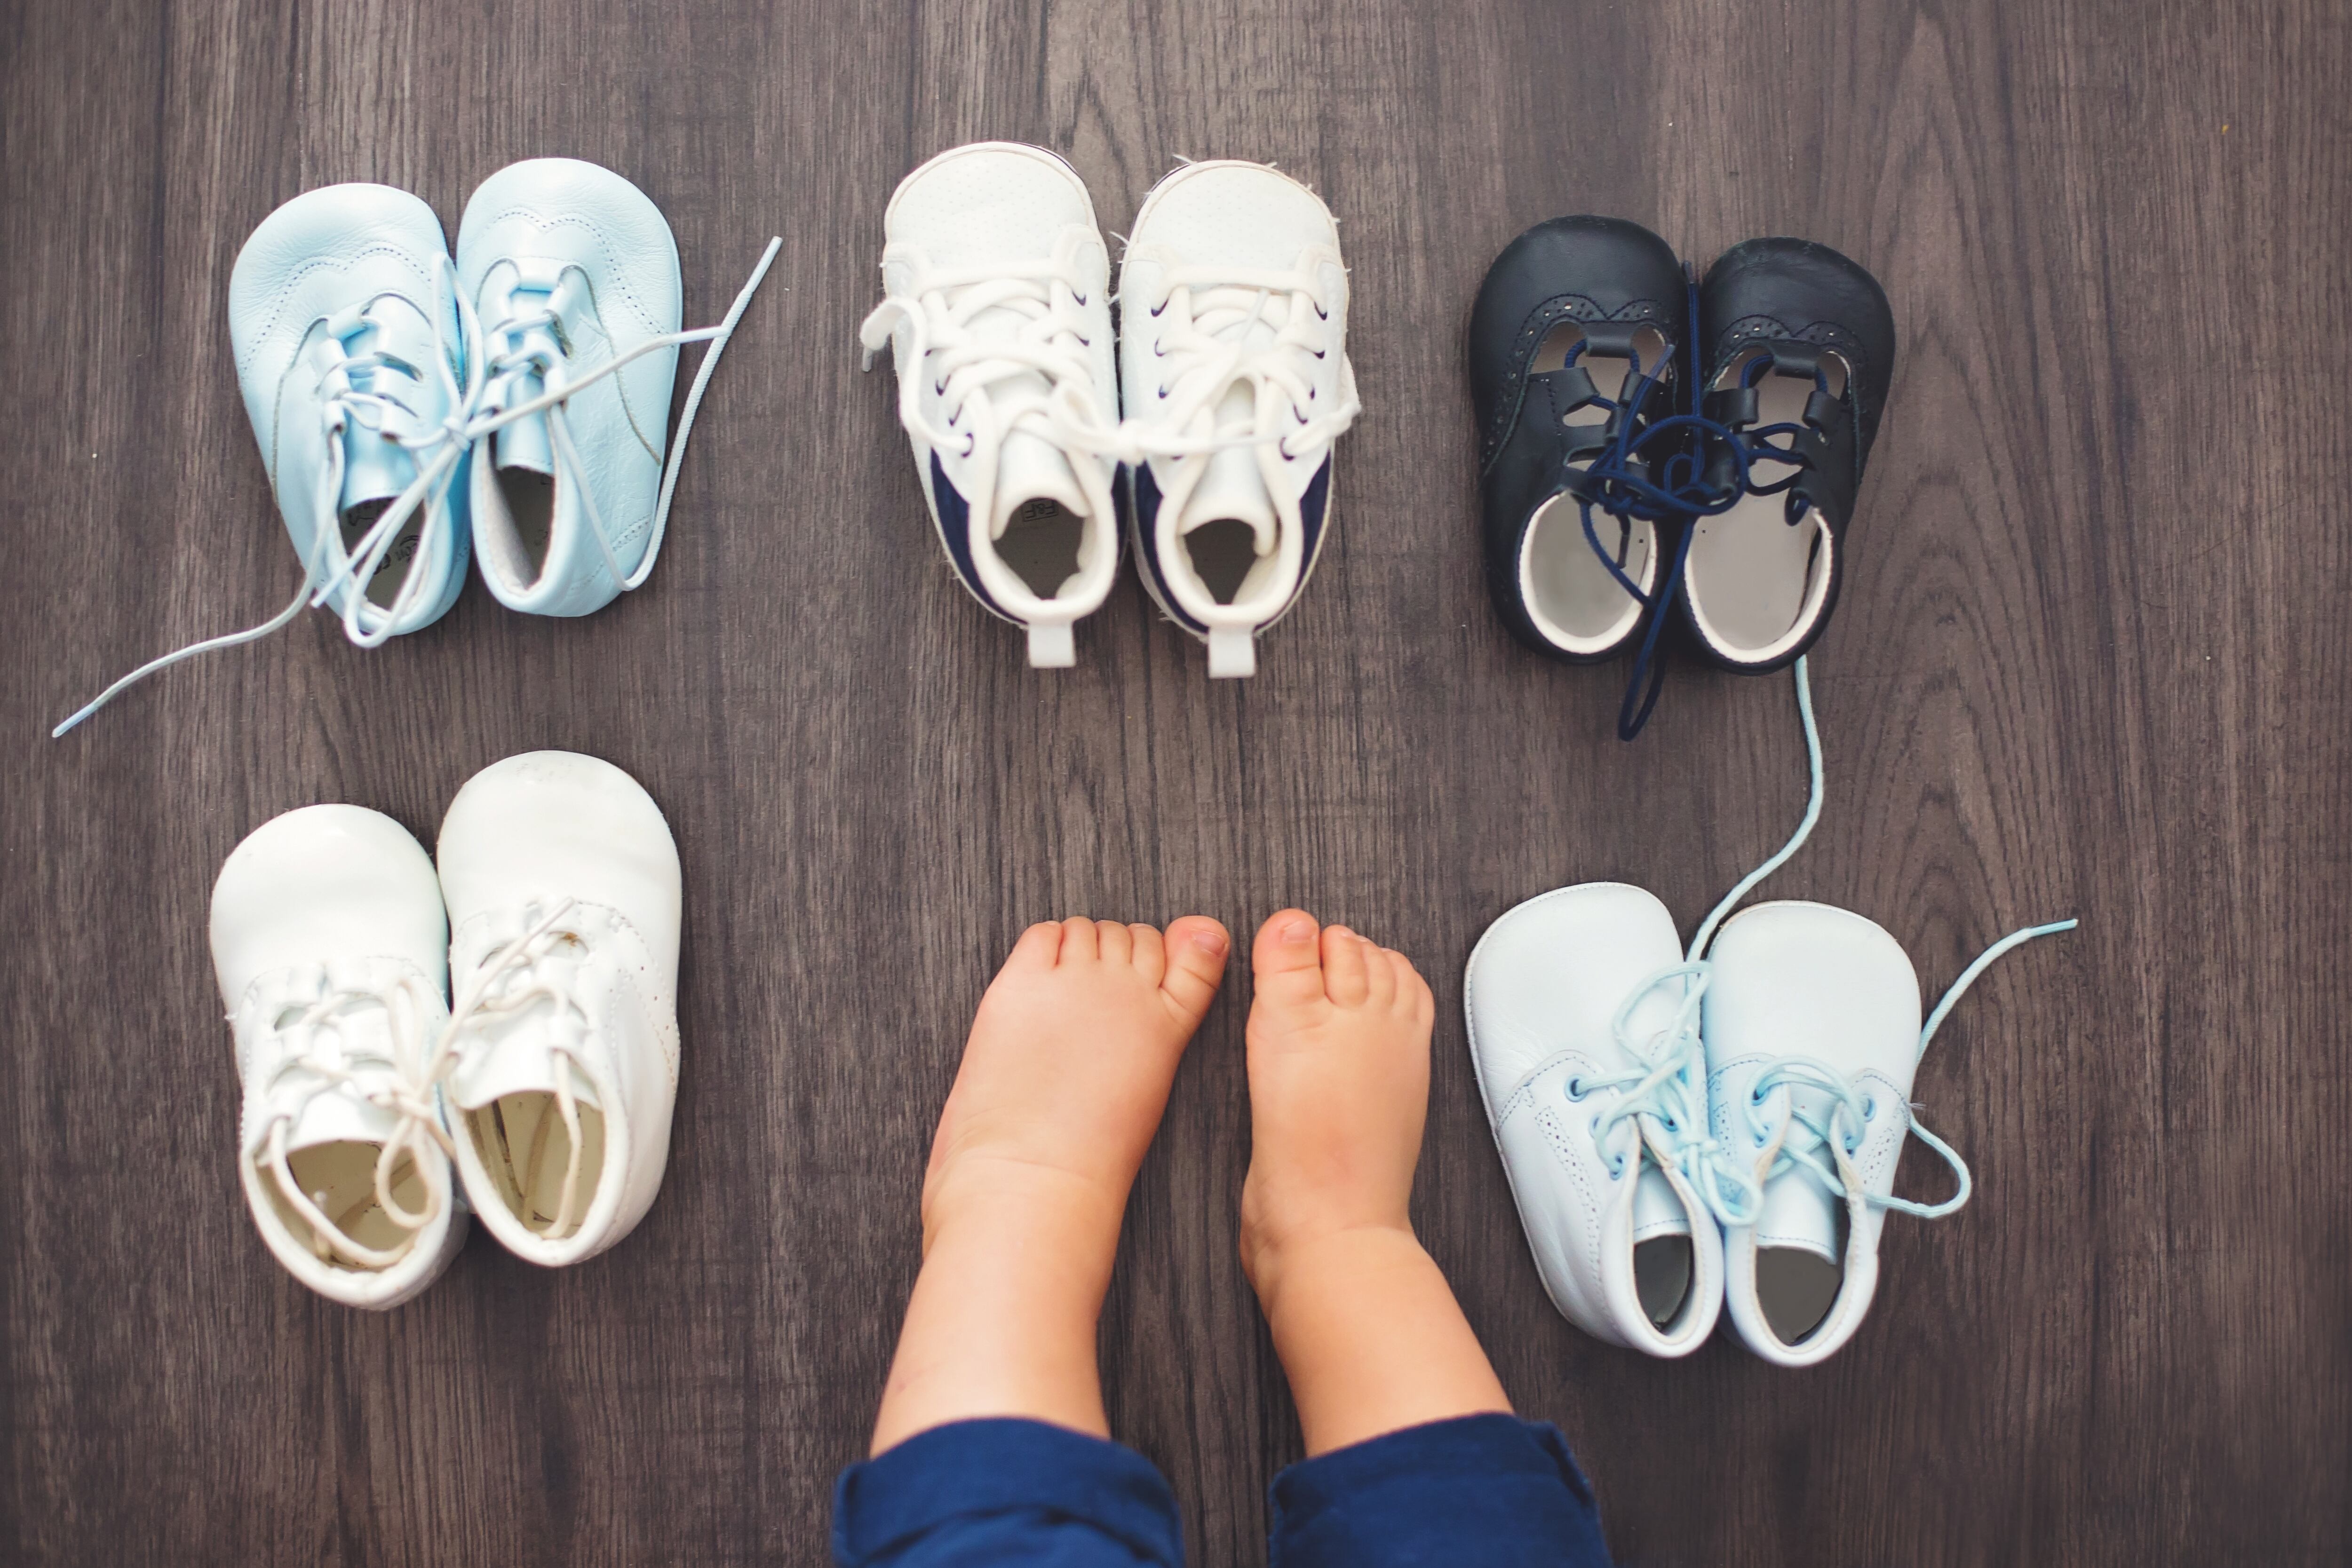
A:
(375, 469)
(1231, 485)
(1799, 1213)
(339, 1116)
(515, 1059)
(1032, 470)
(1657, 1211)
(525, 443)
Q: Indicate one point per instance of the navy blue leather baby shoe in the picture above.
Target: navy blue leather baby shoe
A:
(1575, 345)
(1799, 347)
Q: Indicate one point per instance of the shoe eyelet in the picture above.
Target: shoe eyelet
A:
(1755, 1097)
(940, 389)
(1870, 1108)
(1156, 309)
(1081, 298)
(1672, 1125)
(1321, 314)
(1163, 394)
(1617, 1171)
(971, 444)
(1761, 1140)
(1576, 1089)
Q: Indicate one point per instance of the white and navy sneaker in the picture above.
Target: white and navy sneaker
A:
(571, 274)
(1583, 1031)
(996, 308)
(330, 944)
(1232, 360)
(563, 891)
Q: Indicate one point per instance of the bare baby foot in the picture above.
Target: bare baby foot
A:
(1068, 1064)
(1339, 1070)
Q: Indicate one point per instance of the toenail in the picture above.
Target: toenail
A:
(1211, 941)
(1298, 931)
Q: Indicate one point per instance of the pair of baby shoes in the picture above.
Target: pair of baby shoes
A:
(1231, 365)
(1651, 450)
(415, 410)
(1689, 1134)
(547, 1086)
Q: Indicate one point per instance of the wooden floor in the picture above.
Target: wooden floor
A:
(2090, 660)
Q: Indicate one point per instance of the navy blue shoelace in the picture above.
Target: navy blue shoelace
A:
(1678, 494)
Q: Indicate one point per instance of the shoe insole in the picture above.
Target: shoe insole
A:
(1041, 545)
(1223, 552)
(340, 1178)
(531, 502)
(1751, 577)
(1571, 597)
(383, 584)
(1662, 1276)
(1796, 1289)
(526, 1148)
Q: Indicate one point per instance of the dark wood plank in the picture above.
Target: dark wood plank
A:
(2087, 663)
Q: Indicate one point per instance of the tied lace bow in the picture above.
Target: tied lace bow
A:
(324, 1050)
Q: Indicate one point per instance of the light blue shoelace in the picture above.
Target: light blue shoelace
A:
(439, 450)
(1666, 1095)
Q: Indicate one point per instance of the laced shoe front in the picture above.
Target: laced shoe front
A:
(996, 309)
(327, 939)
(1234, 367)
(563, 891)
(571, 274)
(1583, 1020)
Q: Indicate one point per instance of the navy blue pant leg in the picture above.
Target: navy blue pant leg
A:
(1489, 1490)
(981, 1494)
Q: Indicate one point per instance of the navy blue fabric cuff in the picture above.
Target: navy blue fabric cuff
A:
(1489, 1489)
(1041, 1493)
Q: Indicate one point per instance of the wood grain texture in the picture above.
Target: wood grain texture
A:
(2088, 662)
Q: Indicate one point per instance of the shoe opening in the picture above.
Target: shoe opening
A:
(1796, 1287)
(527, 1150)
(1661, 1277)
(531, 502)
(1223, 552)
(383, 585)
(340, 1178)
(1041, 544)
(1756, 585)
(1572, 598)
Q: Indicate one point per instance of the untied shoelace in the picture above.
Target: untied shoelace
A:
(1673, 489)
(1664, 1090)
(420, 1068)
(448, 442)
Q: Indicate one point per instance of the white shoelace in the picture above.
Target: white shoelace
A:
(533, 958)
(1203, 329)
(418, 1070)
(1204, 325)
(970, 368)
(448, 442)
(417, 1135)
